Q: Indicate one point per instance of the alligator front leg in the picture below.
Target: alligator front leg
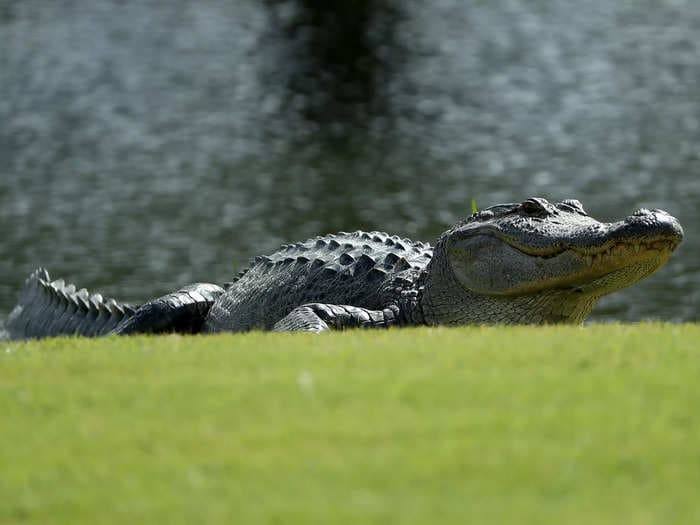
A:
(320, 317)
(183, 311)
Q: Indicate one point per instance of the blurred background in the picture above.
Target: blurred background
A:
(145, 145)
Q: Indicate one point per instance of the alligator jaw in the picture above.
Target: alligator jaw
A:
(517, 253)
(610, 248)
(618, 254)
(618, 266)
(626, 250)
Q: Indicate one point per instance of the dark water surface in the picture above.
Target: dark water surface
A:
(146, 145)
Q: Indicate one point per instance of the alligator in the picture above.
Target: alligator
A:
(532, 262)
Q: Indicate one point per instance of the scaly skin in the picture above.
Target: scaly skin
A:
(528, 263)
(48, 308)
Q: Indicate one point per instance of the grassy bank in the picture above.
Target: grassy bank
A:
(481, 425)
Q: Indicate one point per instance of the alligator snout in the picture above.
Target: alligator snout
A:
(649, 226)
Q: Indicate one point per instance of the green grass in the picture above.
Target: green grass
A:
(476, 425)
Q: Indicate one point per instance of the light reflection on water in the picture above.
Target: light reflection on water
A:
(145, 147)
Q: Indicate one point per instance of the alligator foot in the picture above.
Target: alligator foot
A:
(183, 311)
(320, 317)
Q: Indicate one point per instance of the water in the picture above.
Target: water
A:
(146, 145)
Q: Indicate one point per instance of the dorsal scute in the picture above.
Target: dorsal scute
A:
(55, 307)
(353, 253)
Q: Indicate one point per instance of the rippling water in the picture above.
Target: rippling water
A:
(145, 145)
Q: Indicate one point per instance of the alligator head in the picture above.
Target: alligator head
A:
(536, 262)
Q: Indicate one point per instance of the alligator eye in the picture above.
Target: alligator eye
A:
(533, 207)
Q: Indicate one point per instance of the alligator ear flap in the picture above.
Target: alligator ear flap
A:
(576, 204)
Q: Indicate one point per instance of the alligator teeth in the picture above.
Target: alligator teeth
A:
(637, 247)
(589, 260)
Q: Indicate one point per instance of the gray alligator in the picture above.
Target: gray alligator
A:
(533, 262)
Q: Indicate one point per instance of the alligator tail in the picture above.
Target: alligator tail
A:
(51, 308)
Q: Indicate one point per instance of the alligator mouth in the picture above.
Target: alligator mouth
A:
(603, 266)
(599, 267)
(598, 254)
(629, 250)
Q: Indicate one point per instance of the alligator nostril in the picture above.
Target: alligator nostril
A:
(641, 211)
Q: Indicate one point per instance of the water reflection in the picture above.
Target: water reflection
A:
(337, 60)
(146, 146)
